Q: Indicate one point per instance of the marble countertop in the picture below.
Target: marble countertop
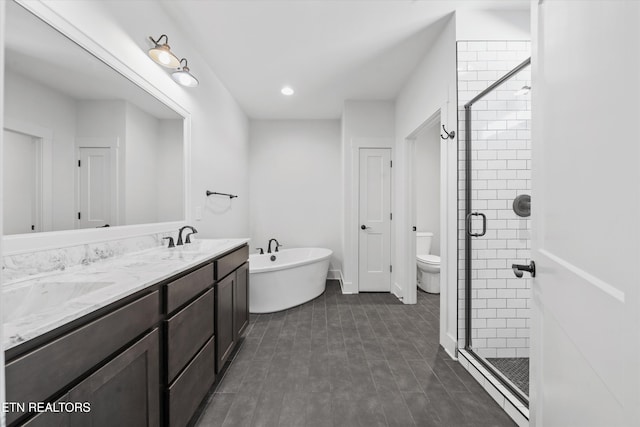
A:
(42, 303)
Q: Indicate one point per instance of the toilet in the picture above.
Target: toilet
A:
(428, 265)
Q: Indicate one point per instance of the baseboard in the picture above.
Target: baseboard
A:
(347, 285)
(450, 345)
(335, 275)
(397, 291)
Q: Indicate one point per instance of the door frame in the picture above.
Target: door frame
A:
(448, 228)
(113, 144)
(354, 220)
(43, 139)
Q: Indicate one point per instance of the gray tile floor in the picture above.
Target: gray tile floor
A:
(349, 360)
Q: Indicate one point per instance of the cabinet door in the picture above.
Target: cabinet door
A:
(125, 391)
(241, 301)
(50, 419)
(224, 320)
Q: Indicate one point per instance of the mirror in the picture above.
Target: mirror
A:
(84, 147)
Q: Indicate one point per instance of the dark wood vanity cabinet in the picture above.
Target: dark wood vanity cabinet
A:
(232, 302)
(45, 371)
(224, 320)
(189, 342)
(147, 360)
(125, 391)
(241, 301)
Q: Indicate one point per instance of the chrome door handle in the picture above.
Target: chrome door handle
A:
(519, 268)
(484, 224)
(364, 227)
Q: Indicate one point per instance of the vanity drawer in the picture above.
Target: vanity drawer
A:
(37, 375)
(183, 289)
(187, 331)
(193, 384)
(228, 263)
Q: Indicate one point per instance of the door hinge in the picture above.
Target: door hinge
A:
(78, 215)
(33, 227)
(390, 163)
(391, 269)
(391, 216)
(78, 163)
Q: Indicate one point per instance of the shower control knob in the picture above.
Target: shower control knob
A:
(519, 268)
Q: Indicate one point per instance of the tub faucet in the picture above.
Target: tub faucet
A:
(269, 247)
(193, 231)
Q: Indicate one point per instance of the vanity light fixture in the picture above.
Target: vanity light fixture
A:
(162, 54)
(183, 76)
(287, 91)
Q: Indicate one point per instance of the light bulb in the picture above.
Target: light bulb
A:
(287, 91)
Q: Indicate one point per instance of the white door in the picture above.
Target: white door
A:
(95, 187)
(374, 255)
(586, 211)
(19, 183)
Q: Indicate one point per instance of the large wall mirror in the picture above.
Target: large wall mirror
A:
(84, 147)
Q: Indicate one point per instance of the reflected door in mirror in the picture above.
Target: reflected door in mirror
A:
(96, 175)
(19, 189)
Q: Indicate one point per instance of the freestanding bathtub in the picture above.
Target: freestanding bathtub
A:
(294, 277)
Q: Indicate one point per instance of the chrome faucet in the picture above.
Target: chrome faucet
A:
(188, 240)
(269, 247)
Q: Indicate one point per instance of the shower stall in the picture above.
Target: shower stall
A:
(494, 209)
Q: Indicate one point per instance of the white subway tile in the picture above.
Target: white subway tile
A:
(487, 56)
(506, 333)
(464, 56)
(496, 303)
(488, 313)
(516, 323)
(495, 323)
(480, 45)
(497, 45)
(506, 352)
(497, 342)
(516, 303)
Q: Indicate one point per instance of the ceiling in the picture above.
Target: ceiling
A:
(328, 51)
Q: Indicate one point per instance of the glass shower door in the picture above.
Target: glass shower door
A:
(497, 227)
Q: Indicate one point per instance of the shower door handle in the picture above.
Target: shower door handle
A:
(484, 224)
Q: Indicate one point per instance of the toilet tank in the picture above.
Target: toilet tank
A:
(423, 242)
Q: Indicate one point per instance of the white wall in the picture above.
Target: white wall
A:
(169, 190)
(219, 129)
(295, 183)
(431, 87)
(363, 122)
(141, 165)
(427, 182)
(30, 102)
(493, 24)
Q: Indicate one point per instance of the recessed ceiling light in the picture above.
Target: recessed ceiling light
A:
(287, 90)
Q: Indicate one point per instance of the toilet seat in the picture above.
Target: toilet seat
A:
(429, 259)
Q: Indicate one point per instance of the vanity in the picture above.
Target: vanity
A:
(139, 341)
(103, 324)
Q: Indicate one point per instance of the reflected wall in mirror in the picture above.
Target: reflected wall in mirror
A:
(83, 146)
